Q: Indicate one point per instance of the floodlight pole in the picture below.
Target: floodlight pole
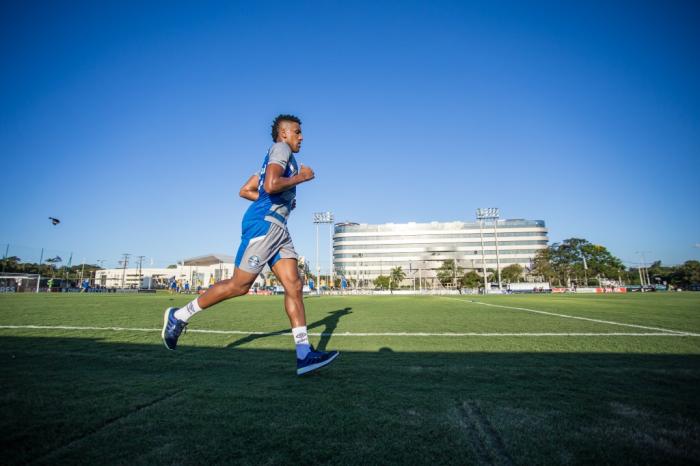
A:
(483, 258)
(330, 253)
(489, 213)
(498, 257)
(41, 259)
(323, 217)
(644, 274)
(126, 261)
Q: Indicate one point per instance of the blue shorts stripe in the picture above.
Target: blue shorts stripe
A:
(274, 259)
(241, 251)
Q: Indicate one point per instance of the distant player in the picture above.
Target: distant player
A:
(265, 240)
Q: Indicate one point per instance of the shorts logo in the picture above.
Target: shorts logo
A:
(254, 261)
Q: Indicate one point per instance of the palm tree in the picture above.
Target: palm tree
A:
(397, 276)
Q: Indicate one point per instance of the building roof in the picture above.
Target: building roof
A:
(208, 259)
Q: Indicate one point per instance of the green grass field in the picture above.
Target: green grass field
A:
(611, 379)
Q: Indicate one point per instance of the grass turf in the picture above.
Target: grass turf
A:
(106, 396)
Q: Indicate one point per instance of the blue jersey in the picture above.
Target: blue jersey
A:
(274, 207)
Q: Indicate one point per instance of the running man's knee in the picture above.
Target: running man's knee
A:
(293, 286)
(232, 287)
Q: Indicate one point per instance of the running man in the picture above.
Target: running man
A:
(265, 240)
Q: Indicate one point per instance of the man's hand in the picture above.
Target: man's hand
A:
(276, 183)
(306, 173)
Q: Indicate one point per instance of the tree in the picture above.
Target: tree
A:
(449, 273)
(542, 265)
(397, 276)
(491, 275)
(686, 274)
(575, 258)
(471, 279)
(382, 282)
(659, 273)
(512, 273)
(11, 264)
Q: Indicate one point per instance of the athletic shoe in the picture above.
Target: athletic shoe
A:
(315, 360)
(172, 328)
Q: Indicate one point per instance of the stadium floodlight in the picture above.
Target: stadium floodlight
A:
(489, 213)
(319, 218)
(41, 260)
(124, 262)
(643, 270)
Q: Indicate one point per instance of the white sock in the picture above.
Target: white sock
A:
(301, 340)
(184, 313)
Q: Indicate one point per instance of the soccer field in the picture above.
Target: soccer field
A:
(555, 379)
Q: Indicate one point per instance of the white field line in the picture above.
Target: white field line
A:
(609, 322)
(365, 334)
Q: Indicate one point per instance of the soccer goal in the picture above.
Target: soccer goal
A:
(18, 282)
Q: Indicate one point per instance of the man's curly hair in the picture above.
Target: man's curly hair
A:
(276, 124)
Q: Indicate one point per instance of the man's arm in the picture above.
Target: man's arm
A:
(250, 189)
(276, 183)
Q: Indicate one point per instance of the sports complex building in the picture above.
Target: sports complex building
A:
(362, 252)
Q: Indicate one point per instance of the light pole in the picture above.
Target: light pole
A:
(323, 217)
(643, 271)
(125, 261)
(41, 259)
(489, 213)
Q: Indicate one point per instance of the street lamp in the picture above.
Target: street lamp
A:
(489, 213)
(324, 217)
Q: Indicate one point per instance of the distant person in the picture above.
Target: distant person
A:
(173, 286)
(265, 240)
(187, 287)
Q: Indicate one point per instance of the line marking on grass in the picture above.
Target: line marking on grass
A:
(366, 334)
(483, 435)
(104, 425)
(609, 322)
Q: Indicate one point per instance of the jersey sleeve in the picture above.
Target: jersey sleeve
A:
(279, 154)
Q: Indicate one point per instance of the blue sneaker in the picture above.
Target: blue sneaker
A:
(172, 328)
(315, 360)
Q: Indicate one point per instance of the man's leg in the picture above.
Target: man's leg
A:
(175, 320)
(238, 285)
(287, 272)
(308, 359)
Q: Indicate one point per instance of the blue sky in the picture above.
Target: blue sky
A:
(136, 123)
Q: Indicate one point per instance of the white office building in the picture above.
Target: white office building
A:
(362, 252)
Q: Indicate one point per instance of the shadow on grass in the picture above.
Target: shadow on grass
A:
(72, 400)
(330, 323)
